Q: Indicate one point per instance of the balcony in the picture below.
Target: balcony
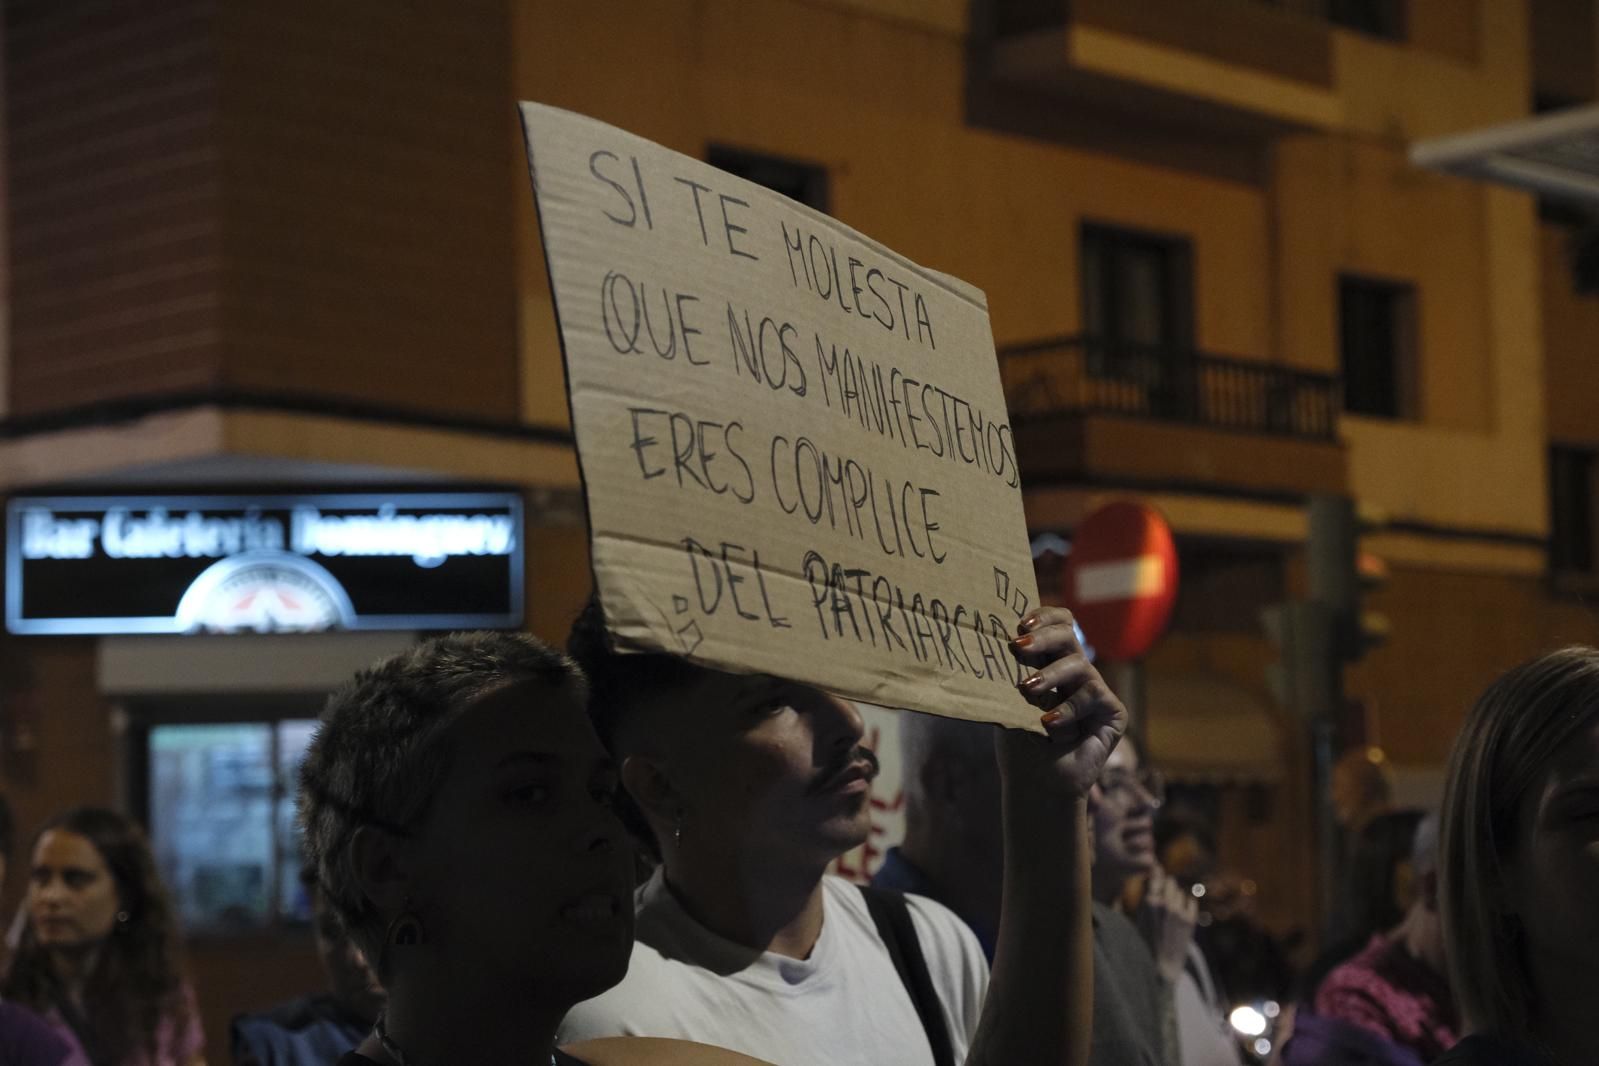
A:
(1082, 408)
(1241, 68)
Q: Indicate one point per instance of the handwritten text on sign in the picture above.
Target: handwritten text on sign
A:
(794, 441)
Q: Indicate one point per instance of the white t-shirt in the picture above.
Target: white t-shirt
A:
(844, 1004)
(1206, 1037)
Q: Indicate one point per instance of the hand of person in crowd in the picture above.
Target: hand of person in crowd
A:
(1166, 918)
(1040, 998)
(1083, 717)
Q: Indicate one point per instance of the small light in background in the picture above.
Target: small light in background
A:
(1248, 1020)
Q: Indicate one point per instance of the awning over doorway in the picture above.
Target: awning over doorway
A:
(1207, 729)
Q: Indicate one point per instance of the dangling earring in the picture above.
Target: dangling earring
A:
(406, 930)
(677, 831)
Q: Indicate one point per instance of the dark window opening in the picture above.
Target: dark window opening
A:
(1377, 336)
(1378, 18)
(804, 182)
(1138, 314)
(1137, 289)
(1571, 501)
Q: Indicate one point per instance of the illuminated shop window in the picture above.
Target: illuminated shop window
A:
(221, 817)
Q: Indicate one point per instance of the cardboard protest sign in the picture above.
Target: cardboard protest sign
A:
(793, 440)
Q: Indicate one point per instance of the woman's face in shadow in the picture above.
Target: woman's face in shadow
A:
(1554, 875)
(72, 898)
(523, 871)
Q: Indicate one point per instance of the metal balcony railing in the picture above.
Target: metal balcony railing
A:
(1086, 375)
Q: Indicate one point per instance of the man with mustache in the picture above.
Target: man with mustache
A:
(750, 786)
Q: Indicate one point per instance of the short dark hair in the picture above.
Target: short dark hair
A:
(378, 759)
(617, 680)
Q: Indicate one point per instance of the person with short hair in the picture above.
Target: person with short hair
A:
(750, 786)
(99, 956)
(458, 811)
(953, 852)
(1519, 867)
(317, 1029)
(1139, 896)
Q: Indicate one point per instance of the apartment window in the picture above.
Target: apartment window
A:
(1377, 336)
(1572, 522)
(219, 800)
(804, 182)
(1137, 295)
(1379, 18)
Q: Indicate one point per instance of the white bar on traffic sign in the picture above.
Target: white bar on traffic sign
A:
(1125, 579)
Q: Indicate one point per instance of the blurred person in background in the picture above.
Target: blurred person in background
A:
(25, 1038)
(953, 853)
(1185, 844)
(1378, 890)
(1397, 986)
(1248, 961)
(99, 956)
(1362, 788)
(1519, 867)
(458, 811)
(1128, 875)
(317, 1029)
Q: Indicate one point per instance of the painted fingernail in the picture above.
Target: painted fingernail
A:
(1032, 682)
(1022, 642)
(1053, 718)
(1030, 622)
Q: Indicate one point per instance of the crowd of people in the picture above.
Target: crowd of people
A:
(477, 813)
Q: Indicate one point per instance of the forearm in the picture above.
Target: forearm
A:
(1041, 997)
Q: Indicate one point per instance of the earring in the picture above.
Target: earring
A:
(406, 930)
(122, 917)
(677, 830)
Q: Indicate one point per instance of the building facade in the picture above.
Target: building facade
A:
(291, 249)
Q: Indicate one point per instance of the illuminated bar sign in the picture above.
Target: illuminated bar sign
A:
(263, 564)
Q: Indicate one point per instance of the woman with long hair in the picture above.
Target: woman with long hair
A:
(99, 954)
(457, 808)
(1519, 870)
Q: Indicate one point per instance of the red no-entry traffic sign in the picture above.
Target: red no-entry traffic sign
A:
(1121, 579)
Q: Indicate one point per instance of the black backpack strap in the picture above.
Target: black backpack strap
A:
(892, 916)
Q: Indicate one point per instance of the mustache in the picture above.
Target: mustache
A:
(859, 755)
